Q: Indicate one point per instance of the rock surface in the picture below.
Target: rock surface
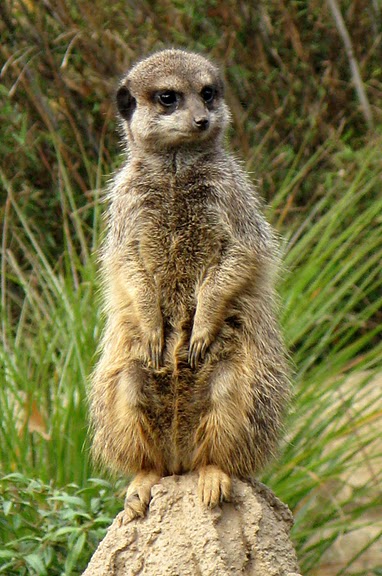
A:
(178, 537)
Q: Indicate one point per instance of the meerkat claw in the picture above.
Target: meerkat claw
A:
(138, 495)
(155, 347)
(197, 352)
(155, 357)
(214, 486)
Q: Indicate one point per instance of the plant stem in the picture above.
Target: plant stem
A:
(357, 80)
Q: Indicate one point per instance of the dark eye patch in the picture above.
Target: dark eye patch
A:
(208, 94)
(167, 98)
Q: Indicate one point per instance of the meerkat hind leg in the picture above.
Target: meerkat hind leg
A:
(138, 495)
(214, 486)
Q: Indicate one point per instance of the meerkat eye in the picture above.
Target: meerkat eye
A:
(168, 98)
(208, 94)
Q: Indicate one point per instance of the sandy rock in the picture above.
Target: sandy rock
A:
(178, 537)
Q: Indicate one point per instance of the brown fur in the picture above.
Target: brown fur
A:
(192, 373)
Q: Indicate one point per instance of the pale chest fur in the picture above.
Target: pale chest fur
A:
(176, 232)
(180, 235)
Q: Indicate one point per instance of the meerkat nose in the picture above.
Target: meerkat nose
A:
(202, 123)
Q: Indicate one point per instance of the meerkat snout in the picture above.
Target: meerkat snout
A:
(199, 112)
(202, 123)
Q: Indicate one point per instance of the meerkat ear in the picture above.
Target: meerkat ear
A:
(126, 103)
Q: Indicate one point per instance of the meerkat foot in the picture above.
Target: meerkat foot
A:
(214, 486)
(138, 495)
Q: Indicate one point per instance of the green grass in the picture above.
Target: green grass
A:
(332, 316)
(331, 312)
(47, 354)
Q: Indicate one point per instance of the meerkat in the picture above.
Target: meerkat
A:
(192, 374)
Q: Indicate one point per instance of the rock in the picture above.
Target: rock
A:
(178, 537)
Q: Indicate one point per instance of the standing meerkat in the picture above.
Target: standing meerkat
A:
(192, 373)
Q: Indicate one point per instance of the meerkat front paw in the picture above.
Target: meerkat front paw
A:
(199, 343)
(214, 486)
(138, 495)
(154, 343)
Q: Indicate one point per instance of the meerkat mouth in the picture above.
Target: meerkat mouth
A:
(191, 133)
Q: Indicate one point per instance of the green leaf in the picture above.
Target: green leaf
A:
(35, 562)
(6, 554)
(74, 552)
(7, 506)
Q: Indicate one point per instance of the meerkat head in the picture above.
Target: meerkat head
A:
(173, 99)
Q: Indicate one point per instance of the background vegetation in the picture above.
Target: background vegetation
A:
(299, 126)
